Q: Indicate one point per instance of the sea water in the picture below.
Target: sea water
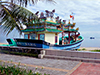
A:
(87, 42)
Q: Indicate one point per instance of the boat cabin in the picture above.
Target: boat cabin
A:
(48, 28)
(49, 35)
(46, 31)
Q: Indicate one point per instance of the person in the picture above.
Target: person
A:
(65, 41)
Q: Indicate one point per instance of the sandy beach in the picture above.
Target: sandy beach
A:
(90, 48)
(3, 43)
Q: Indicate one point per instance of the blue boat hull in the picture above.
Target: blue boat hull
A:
(44, 44)
(29, 43)
(73, 46)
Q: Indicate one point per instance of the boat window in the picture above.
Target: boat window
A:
(41, 36)
(26, 36)
(32, 36)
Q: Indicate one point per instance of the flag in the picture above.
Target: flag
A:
(72, 16)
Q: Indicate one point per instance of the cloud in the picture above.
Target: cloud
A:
(85, 10)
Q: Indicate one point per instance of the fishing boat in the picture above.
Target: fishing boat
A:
(44, 33)
(92, 37)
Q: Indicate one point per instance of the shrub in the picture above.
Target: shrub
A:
(95, 50)
(11, 70)
(19, 53)
(83, 49)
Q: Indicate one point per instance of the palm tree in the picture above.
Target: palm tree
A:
(13, 16)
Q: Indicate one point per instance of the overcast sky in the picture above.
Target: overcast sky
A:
(86, 13)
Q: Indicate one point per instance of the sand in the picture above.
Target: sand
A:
(90, 48)
(3, 43)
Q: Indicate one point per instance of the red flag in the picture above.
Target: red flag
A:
(71, 16)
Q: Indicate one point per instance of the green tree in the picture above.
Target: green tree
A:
(13, 15)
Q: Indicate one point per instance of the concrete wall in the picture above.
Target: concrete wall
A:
(50, 37)
(94, 55)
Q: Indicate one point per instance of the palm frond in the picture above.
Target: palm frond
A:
(13, 17)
